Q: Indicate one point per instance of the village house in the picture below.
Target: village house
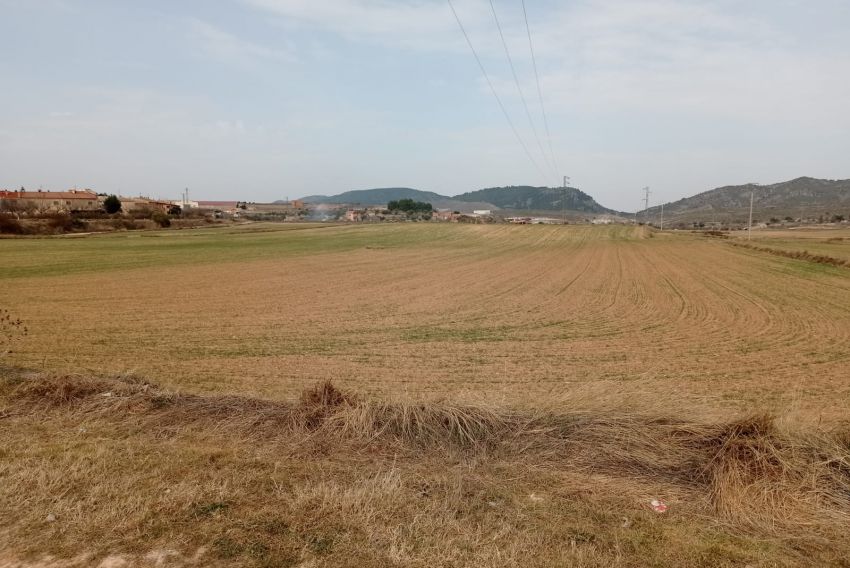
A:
(355, 215)
(602, 220)
(130, 204)
(223, 206)
(71, 200)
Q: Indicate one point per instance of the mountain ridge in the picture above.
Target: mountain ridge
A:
(802, 197)
(506, 197)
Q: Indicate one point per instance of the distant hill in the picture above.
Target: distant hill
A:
(512, 197)
(379, 196)
(526, 197)
(805, 196)
(382, 196)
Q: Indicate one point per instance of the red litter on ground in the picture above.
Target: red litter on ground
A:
(658, 506)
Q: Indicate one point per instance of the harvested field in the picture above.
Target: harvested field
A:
(827, 242)
(507, 395)
(513, 313)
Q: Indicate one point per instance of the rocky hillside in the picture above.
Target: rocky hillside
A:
(536, 199)
(802, 197)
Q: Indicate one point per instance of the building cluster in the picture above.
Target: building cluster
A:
(73, 200)
(371, 214)
(81, 200)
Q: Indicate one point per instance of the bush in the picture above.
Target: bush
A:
(62, 222)
(141, 212)
(160, 219)
(10, 225)
(128, 224)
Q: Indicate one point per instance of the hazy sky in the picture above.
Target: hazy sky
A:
(267, 99)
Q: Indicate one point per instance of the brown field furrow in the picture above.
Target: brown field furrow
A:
(509, 313)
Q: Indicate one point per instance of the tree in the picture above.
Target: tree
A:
(410, 206)
(112, 204)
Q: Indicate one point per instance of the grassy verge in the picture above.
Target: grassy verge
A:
(118, 470)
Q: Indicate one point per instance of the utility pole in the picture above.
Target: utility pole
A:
(750, 224)
(646, 202)
(662, 216)
(564, 202)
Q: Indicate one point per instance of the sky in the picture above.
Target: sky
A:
(260, 100)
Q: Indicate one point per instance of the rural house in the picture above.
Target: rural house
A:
(71, 200)
(129, 204)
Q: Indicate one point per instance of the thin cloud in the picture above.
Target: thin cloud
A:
(226, 46)
(418, 25)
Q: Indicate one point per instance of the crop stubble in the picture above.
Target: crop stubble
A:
(509, 314)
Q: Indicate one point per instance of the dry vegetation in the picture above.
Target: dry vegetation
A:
(826, 245)
(506, 396)
(121, 471)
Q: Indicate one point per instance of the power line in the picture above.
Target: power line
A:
(539, 90)
(493, 90)
(519, 87)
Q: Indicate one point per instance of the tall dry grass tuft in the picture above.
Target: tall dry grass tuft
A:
(752, 472)
(760, 475)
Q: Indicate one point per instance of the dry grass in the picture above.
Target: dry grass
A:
(831, 242)
(799, 254)
(504, 396)
(338, 479)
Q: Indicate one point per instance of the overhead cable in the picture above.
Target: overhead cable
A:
(493, 90)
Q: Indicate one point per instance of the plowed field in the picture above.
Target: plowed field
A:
(515, 314)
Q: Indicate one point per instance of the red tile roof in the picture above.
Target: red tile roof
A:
(88, 195)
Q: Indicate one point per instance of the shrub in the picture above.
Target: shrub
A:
(10, 225)
(160, 219)
(62, 222)
(123, 223)
(112, 204)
